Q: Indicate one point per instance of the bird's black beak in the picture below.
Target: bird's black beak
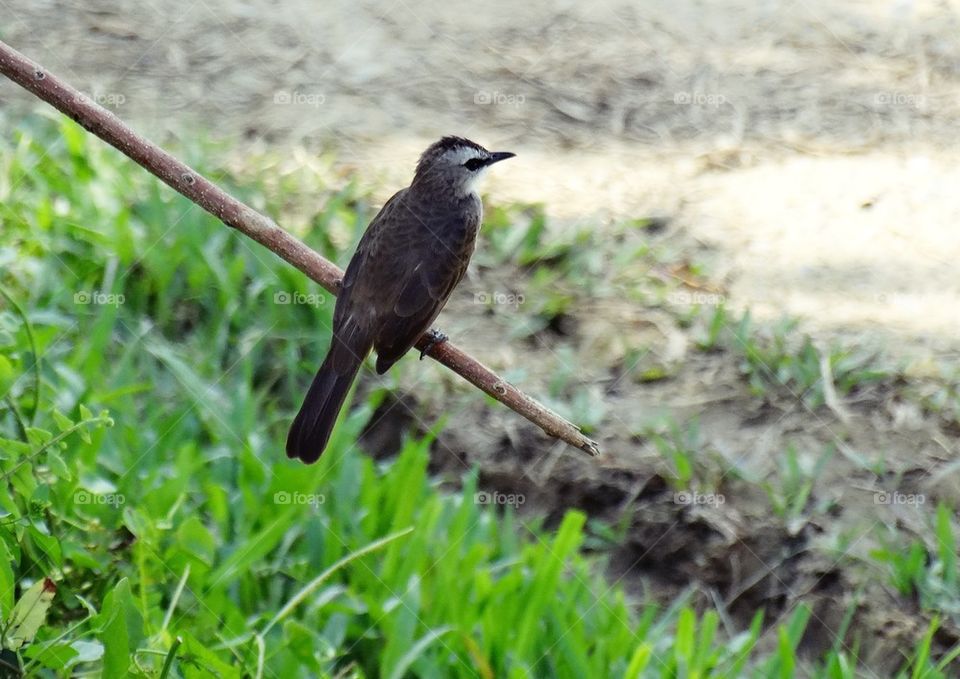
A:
(497, 156)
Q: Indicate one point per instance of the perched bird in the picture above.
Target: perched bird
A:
(407, 263)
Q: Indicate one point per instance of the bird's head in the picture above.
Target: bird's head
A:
(456, 164)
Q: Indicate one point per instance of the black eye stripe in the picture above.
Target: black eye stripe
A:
(474, 163)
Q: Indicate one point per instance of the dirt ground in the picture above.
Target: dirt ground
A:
(806, 150)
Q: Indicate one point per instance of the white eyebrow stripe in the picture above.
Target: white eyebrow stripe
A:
(465, 153)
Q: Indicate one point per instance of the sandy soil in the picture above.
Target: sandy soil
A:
(806, 149)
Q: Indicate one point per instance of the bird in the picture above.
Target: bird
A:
(409, 260)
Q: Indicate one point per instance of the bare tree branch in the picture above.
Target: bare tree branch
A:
(104, 124)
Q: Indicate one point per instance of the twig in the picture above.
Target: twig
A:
(104, 124)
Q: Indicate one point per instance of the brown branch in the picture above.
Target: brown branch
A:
(104, 124)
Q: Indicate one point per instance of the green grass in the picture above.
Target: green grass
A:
(781, 361)
(790, 489)
(926, 568)
(148, 368)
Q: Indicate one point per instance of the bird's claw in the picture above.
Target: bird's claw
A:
(434, 338)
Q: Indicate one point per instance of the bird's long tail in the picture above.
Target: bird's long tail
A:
(311, 428)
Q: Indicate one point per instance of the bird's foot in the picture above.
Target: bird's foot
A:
(434, 338)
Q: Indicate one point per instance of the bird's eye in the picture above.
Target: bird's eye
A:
(474, 164)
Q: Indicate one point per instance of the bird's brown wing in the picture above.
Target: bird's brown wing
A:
(421, 300)
(434, 265)
(365, 282)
